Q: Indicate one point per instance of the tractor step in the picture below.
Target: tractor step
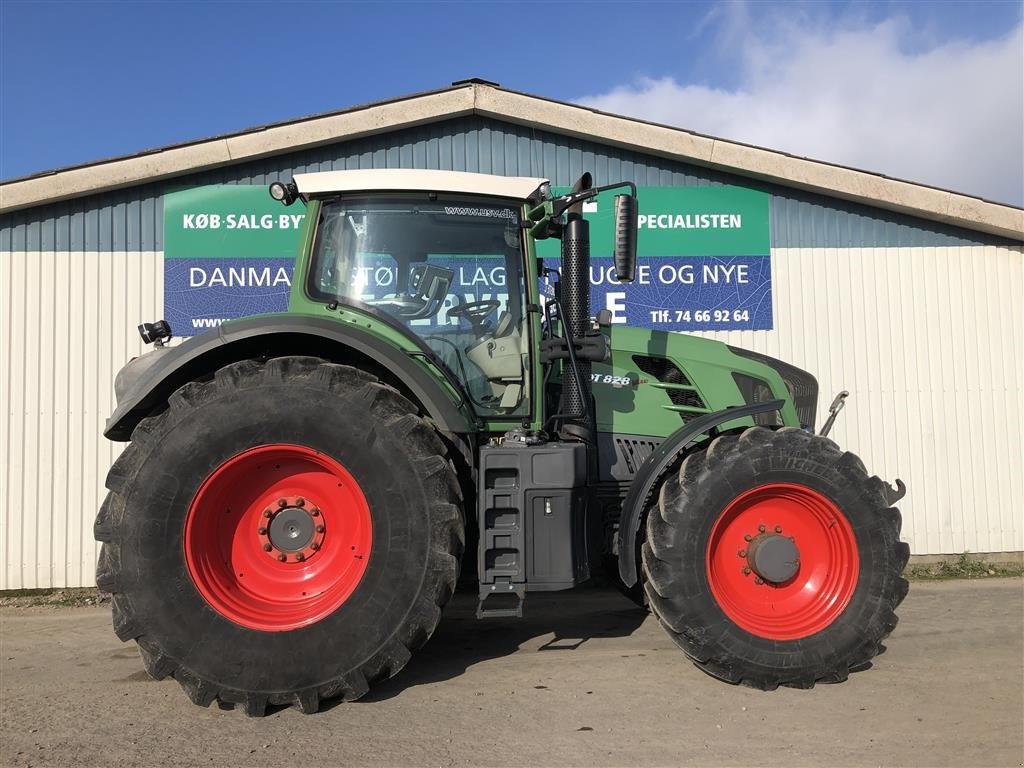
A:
(502, 600)
(531, 516)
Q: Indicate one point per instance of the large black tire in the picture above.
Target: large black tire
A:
(414, 503)
(677, 550)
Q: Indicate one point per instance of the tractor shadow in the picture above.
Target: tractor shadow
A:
(571, 619)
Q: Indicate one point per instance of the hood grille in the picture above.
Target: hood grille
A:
(683, 396)
(802, 386)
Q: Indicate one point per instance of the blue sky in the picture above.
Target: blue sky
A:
(877, 85)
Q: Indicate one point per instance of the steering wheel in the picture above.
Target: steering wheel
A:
(476, 312)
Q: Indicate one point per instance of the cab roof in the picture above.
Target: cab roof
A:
(402, 180)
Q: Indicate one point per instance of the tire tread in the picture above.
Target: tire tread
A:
(663, 571)
(436, 473)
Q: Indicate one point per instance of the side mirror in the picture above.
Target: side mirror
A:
(625, 238)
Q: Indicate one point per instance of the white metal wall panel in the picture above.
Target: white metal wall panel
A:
(68, 324)
(927, 340)
(930, 344)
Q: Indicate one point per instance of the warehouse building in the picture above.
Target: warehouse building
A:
(908, 296)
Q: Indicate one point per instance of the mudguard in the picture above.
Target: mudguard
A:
(282, 335)
(649, 474)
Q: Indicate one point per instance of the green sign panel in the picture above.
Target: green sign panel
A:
(229, 221)
(684, 221)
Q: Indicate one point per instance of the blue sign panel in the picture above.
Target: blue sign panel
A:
(686, 293)
(200, 294)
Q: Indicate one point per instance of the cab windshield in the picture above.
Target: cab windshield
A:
(450, 271)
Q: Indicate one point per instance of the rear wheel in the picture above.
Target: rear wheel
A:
(774, 559)
(282, 534)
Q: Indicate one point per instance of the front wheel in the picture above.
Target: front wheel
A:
(284, 533)
(774, 559)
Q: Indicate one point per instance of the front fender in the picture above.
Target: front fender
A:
(649, 474)
(276, 335)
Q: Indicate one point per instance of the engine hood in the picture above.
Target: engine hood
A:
(656, 381)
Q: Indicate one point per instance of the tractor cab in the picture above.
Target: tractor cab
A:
(449, 271)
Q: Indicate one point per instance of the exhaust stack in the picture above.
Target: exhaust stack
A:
(576, 305)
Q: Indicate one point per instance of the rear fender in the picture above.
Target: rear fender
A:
(278, 335)
(650, 473)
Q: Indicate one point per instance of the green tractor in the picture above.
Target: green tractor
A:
(291, 513)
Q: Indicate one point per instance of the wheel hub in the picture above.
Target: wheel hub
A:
(773, 558)
(292, 530)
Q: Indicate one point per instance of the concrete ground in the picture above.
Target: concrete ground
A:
(586, 679)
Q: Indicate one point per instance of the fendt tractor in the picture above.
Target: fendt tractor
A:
(292, 510)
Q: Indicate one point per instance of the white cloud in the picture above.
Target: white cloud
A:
(872, 96)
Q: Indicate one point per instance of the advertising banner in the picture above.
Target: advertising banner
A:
(228, 252)
(703, 263)
(703, 259)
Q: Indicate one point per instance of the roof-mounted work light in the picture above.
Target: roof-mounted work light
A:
(284, 193)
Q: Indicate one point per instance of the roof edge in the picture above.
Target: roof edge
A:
(833, 180)
(464, 98)
(252, 144)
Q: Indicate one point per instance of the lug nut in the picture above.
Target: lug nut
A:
(267, 547)
(282, 557)
(746, 571)
(320, 529)
(284, 503)
(262, 530)
(314, 512)
(267, 513)
(760, 528)
(759, 581)
(314, 546)
(300, 557)
(742, 553)
(778, 529)
(747, 537)
(300, 502)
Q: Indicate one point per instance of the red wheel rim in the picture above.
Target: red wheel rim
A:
(277, 537)
(826, 569)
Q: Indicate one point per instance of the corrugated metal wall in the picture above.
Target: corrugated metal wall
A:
(921, 322)
(68, 324)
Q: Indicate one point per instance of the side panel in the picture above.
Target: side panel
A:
(619, 457)
(655, 382)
